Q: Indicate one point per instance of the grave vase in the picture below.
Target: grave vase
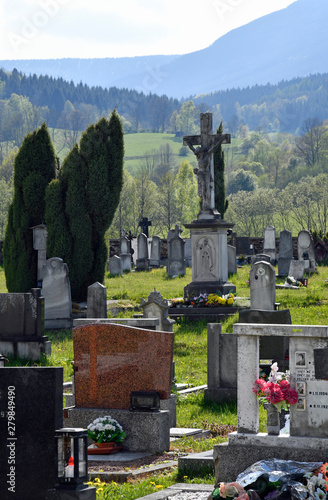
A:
(273, 420)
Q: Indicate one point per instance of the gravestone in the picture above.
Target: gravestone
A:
(96, 301)
(260, 257)
(308, 437)
(262, 286)
(143, 254)
(155, 252)
(125, 254)
(31, 410)
(232, 261)
(176, 265)
(188, 256)
(305, 251)
(110, 362)
(115, 266)
(56, 291)
(296, 269)
(21, 325)
(221, 365)
(172, 233)
(157, 307)
(285, 252)
(40, 244)
(269, 244)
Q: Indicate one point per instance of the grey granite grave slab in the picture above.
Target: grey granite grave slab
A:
(297, 269)
(31, 402)
(115, 266)
(155, 252)
(56, 291)
(232, 261)
(97, 301)
(262, 286)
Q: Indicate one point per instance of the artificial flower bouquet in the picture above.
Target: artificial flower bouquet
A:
(315, 483)
(106, 430)
(276, 390)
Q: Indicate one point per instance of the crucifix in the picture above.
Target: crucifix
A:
(209, 142)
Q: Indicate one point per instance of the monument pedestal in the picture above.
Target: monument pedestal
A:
(243, 450)
(146, 431)
(209, 255)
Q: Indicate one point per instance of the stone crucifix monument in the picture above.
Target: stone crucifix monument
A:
(208, 232)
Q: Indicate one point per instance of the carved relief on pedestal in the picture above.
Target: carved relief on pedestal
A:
(205, 258)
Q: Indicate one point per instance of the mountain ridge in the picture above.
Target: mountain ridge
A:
(282, 45)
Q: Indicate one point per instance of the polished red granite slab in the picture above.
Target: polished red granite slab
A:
(111, 360)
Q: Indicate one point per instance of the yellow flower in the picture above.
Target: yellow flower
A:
(97, 480)
(152, 483)
(158, 486)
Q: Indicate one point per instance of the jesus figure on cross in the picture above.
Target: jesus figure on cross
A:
(208, 144)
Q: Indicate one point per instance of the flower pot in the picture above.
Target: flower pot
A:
(104, 448)
(273, 420)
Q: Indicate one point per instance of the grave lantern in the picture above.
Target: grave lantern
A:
(72, 457)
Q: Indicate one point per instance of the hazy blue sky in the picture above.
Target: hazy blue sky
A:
(42, 29)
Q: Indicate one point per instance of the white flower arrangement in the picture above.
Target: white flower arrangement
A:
(105, 430)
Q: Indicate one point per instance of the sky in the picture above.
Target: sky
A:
(52, 29)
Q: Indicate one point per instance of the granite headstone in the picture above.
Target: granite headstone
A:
(262, 286)
(56, 291)
(111, 360)
(97, 301)
(31, 409)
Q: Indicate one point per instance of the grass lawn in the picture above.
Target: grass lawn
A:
(307, 306)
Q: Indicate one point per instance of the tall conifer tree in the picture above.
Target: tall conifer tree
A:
(35, 166)
(221, 204)
(87, 194)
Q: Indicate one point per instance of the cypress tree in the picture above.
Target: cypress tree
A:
(221, 204)
(87, 195)
(35, 166)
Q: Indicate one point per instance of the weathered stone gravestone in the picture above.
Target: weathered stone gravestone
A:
(155, 252)
(157, 307)
(188, 255)
(143, 253)
(260, 257)
(262, 286)
(31, 410)
(269, 244)
(56, 291)
(96, 301)
(40, 244)
(125, 254)
(308, 417)
(115, 266)
(296, 269)
(110, 362)
(232, 260)
(221, 365)
(172, 233)
(305, 251)
(176, 265)
(285, 252)
(21, 325)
